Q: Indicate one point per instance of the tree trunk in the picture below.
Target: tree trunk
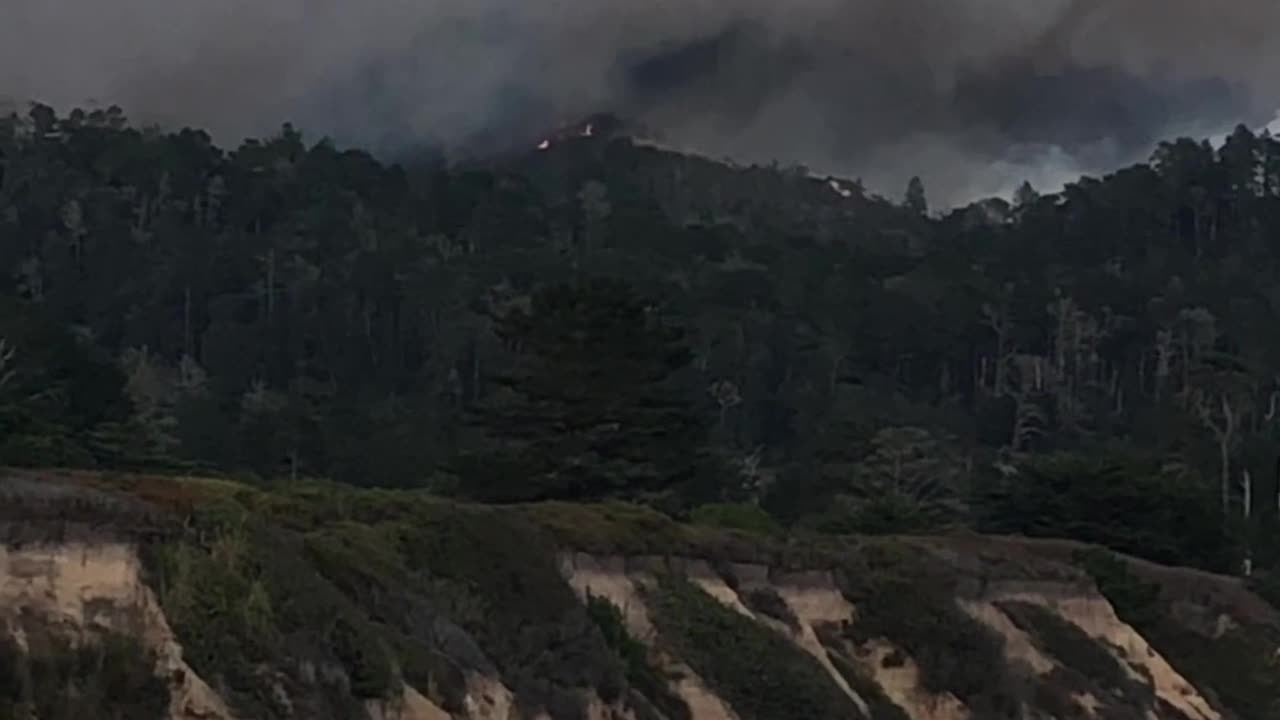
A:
(1000, 364)
(188, 343)
(1246, 488)
(271, 283)
(1277, 484)
(1224, 468)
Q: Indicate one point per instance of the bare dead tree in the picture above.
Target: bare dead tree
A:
(755, 478)
(727, 397)
(1164, 361)
(998, 320)
(1246, 493)
(1219, 417)
(1075, 364)
(1197, 333)
(1026, 387)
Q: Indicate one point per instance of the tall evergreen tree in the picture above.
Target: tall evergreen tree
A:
(915, 199)
(592, 407)
(1025, 195)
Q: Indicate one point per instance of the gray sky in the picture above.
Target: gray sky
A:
(974, 95)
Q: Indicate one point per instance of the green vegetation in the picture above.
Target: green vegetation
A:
(240, 595)
(1135, 600)
(1087, 667)
(595, 413)
(641, 673)
(373, 589)
(879, 706)
(401, 608)
(624, 529)
(663, 336)
(1239, 668)
(109, 678)
(1131, 503)
(761, 674)
(767, 602)
(607, 321)
(509, 595)
(384, 588)
(911, 599)
(1069, 644)
(736, 516)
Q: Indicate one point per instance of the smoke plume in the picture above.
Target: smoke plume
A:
(973, 95)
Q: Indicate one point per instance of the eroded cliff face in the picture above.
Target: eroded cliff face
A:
(1062, 641)
(403, 610)
(81, 593)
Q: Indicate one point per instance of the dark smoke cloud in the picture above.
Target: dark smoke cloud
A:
(975, 95)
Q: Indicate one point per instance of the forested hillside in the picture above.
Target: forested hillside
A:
(604, 318)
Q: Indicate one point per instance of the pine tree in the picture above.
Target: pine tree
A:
(1025, 195)
(915, 199)
(592, 408)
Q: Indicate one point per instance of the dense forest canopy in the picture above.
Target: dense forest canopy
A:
(604, 318)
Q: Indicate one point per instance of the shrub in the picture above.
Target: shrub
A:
(761, 674)
(514, 601)
(1130, 504)
(736, 516)
(111, 678)
(767, 602)
(1239, 668)
(1135, 601)
(907, 598)
(641, 674)
(879, 705)
(1087, 665)
(241, 596)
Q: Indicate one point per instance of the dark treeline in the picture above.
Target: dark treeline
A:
(608, 319)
